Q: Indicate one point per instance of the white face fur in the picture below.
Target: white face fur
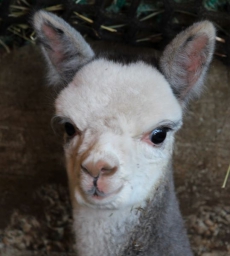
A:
(115, 110)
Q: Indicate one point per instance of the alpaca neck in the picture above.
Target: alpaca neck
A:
(103, 232)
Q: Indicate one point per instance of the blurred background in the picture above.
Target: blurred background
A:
(35, 212)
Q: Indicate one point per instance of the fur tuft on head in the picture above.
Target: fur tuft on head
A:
(64, 48)
(186, 59)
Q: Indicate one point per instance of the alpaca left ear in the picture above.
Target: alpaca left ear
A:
(65, 50)
(186, 59)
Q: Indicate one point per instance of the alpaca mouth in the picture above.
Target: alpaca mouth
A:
(97, 194)
(94, 191)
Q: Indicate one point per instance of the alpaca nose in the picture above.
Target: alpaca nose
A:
(101, 167)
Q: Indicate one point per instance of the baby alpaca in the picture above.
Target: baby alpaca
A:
(119, 121)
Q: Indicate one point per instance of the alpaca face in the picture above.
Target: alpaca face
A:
(111, 159)
(120, 119)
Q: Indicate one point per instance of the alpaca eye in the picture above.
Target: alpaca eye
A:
(69, 128)
(159, 135)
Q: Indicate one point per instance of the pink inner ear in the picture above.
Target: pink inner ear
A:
(56, 54)
(49, 32)
(195, 60)
(195, 55)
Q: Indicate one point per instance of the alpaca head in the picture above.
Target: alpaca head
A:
(120, 119)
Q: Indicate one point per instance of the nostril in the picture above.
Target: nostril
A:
(90, 169)
(108, 171)
(84, 169)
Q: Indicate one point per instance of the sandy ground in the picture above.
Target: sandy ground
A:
(35, 213)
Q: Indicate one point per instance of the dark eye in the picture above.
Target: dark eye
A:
(159, 135)
(69, 128)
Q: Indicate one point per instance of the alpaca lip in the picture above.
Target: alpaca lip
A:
(97, 194)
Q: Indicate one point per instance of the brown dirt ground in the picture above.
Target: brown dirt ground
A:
(35, 214)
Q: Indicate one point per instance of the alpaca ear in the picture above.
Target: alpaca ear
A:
(64, 48)
(186, 59)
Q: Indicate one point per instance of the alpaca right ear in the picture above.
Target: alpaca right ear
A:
(64, 48)
(186, 59)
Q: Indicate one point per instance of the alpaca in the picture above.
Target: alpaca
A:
(119, 121)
